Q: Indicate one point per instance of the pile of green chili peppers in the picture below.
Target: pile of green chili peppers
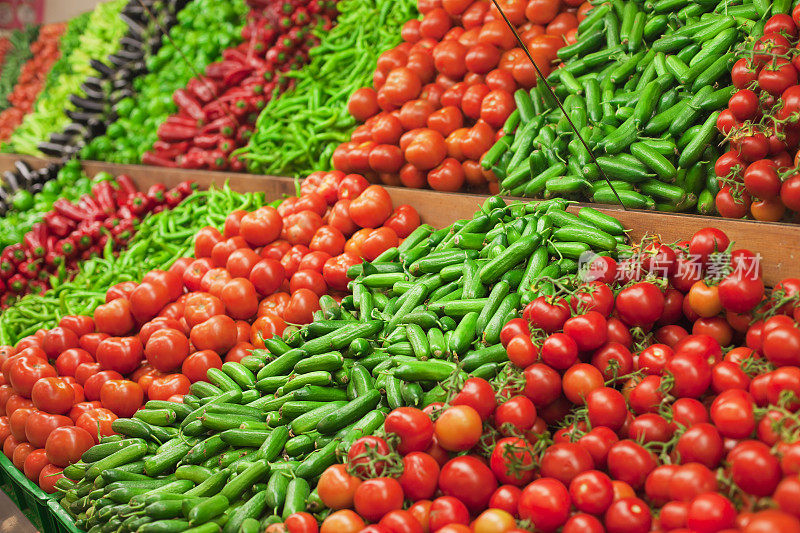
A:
(160, 240)
(297, 132)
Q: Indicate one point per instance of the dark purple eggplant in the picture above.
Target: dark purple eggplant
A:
(52, 149)
(102, 68)
(12, 181)
(87, 104)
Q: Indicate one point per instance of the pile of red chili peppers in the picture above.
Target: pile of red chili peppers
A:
(103, 220)
(217, 112)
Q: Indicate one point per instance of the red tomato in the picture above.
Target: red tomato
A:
(196, 365)
(372, 207)
(164, 387)
(121, 396)
(39, 425)
(262, 226)
(218, 333)
(65, 445)
(546, 503)
(52, 395)
(376, 497)
(166, 349)
(81, 325)
(68, 361)
(114, 318)
(363, 104)
(97, 422)
(301, 307)
(205, 240)
(23, 372)
(121, 354)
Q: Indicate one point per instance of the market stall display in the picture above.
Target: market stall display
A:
(296, 133)
(15, 57)
(204, 28)
(45, 51)
(644, 88)
(757, 176)
(439, 98)
(50, 115)
(212, 352)
(217, 111)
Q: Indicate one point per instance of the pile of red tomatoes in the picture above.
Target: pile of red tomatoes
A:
(441, 97)
(62, 388)
(657, 393)
(758, 176)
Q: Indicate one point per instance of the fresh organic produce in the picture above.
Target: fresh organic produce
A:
(19, 52)
(644, 85)
(45, 51)
(204, 28)
(101, 221)
(609, 416)
(438, 99)
(125, 331)
(5, 46)
(296, 133)
(96, 105)
(101, 37)
(217, 112)
(318, 389)
(758, 176)
(29, 194)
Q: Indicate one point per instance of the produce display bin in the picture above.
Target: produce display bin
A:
(34, 503)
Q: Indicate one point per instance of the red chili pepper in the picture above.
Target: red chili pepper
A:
(149, 158)
(168, 150)
(81, 239)
(174, 197)
(217, 160)
(236, 164)
(203, 89)
(233, 58)
(125, 212)
(172, 132)
(104, 194)
(43, 275)
(187, 104)
(187, 187)
(30, 268)
(59, 225)
(111, 223)
(195, 158)
(244, 133)
(14, 253)
(225, 125)
(7, 269)
(65, 208)
(38, 286)
(206, 141)
(36, 240)
(53, 258)
(215, 70)
(156, 193)
(226, 146)
(17, 283)
(126, 183)
(92, 228)
(90, 204)
(138, 203)
(234, 77)
(66, 247)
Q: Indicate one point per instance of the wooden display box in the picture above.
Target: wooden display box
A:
(777, 243)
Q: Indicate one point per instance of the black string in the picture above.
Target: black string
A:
(558, 102)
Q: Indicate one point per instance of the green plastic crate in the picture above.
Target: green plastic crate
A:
(40, 508)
